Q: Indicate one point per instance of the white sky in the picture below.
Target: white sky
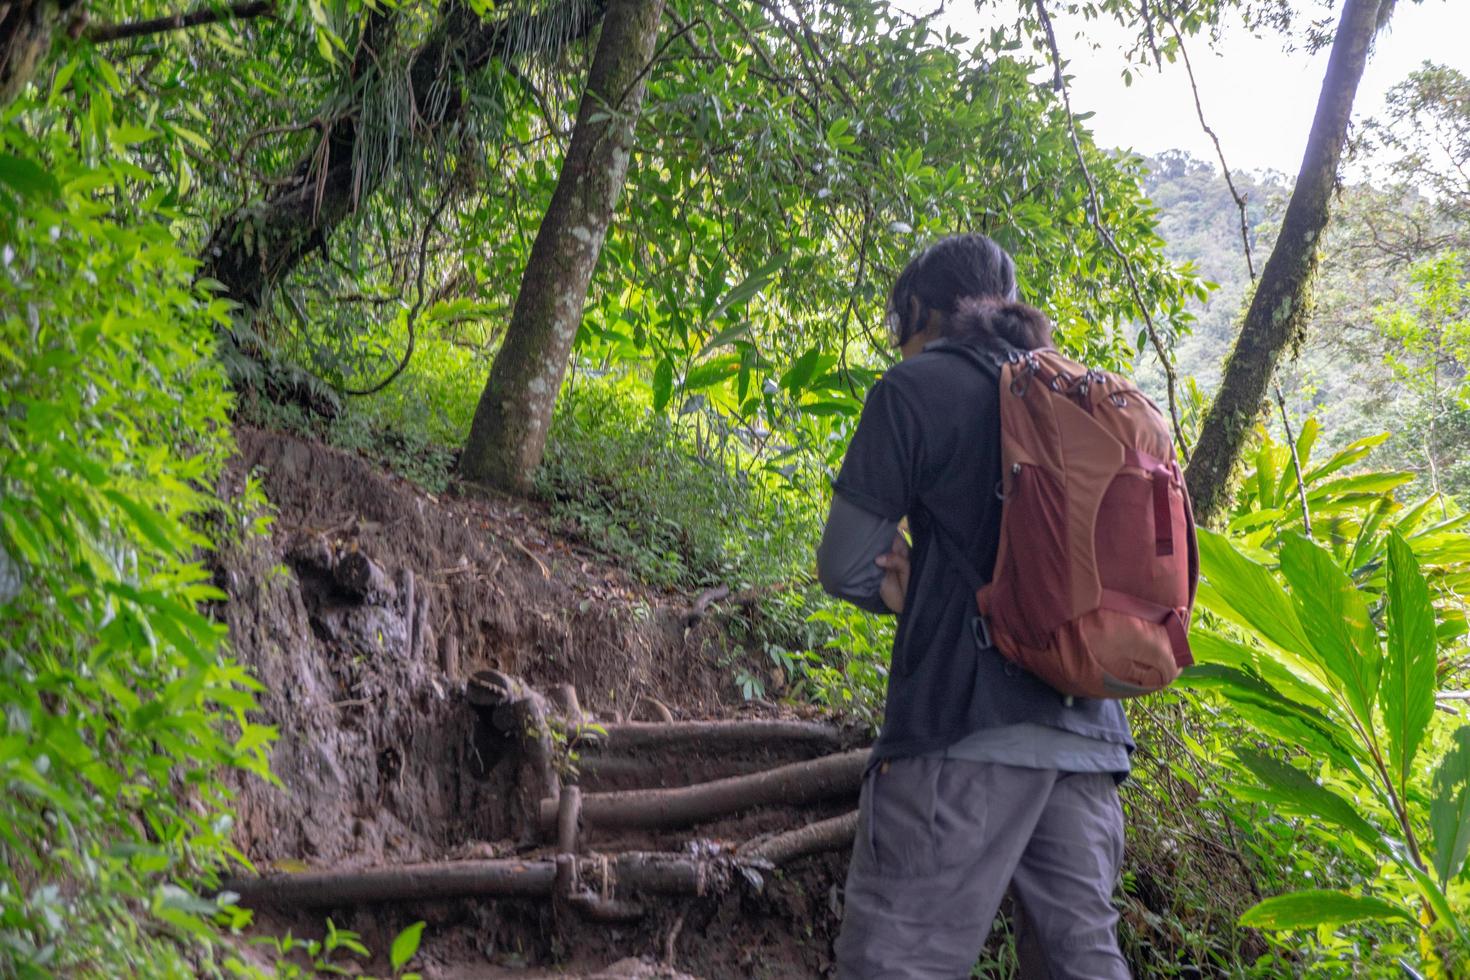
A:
(1258, 97)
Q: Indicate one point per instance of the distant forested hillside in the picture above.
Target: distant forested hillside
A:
(1390, 295)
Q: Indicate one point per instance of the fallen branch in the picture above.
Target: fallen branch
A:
(103, 33)
(663, 809)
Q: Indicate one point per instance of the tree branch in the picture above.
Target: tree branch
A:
(105, 33)
(1094, 214)
(1245, 237)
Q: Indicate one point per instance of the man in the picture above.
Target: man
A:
(982, 775)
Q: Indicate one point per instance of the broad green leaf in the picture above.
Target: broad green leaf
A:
(1369, 545)
(1373, 483)
(1310, 909)
(1409, 518)
(1354, 453)
(26, 177)
(405, 945)
(1305, 441)
(802, 371)
(1265, 475)
(712, 372)
(1409, 672)
(1258, 706)
(1332, 611)
(1253, 519)
(663, 384)
(1213, 649)
(1449, 814)
(1294, 729)
(1439, 903)
(1307, 797)
(1246, 593)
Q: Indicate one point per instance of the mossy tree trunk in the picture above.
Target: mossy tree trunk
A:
(1274, 318)
(508, 435)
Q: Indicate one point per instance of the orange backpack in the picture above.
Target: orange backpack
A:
(1095, 574)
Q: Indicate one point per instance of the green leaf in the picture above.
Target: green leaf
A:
(1275, 716)
(749, 287)
(1311, 428)
(1354, 453)
(1265, 475)
(26, 177)
(1409, 677)
(1212, 650)
(663, 384)
(405, 945)
(727, 336)
(1334, 614)
(1310, 909)
(802, 371)
(712, 372)
(1449, 814)
(143, 517)
(1246, 593)
(1303, 795)
(129, 134)
(1373, 483)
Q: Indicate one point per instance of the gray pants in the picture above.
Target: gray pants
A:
(939, 840)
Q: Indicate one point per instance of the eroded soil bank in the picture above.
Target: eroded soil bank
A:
(364, 613)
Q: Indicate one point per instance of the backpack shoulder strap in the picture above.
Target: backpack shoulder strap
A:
(990, 366)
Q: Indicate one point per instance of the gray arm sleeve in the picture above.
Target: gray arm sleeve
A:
(851, 541)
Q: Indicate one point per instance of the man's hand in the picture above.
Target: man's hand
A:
(895, 565)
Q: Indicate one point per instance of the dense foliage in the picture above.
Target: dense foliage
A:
(317, 219)
(121, 706)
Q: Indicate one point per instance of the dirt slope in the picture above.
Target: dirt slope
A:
(381, 759)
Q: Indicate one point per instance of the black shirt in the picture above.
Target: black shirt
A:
(928, 447)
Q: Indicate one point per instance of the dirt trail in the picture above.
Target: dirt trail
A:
(367, 613)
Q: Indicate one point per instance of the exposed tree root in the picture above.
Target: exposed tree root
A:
(824, 835)
(634, 872)
(664, 809)
(594, 881)
(719, 736)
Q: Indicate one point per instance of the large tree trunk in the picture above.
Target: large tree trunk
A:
(254, 247)
(1275, 315)
(508, 435)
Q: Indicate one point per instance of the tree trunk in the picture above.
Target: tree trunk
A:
(256, 246)
(1274, 319)
(508, 434)
(26, 27)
